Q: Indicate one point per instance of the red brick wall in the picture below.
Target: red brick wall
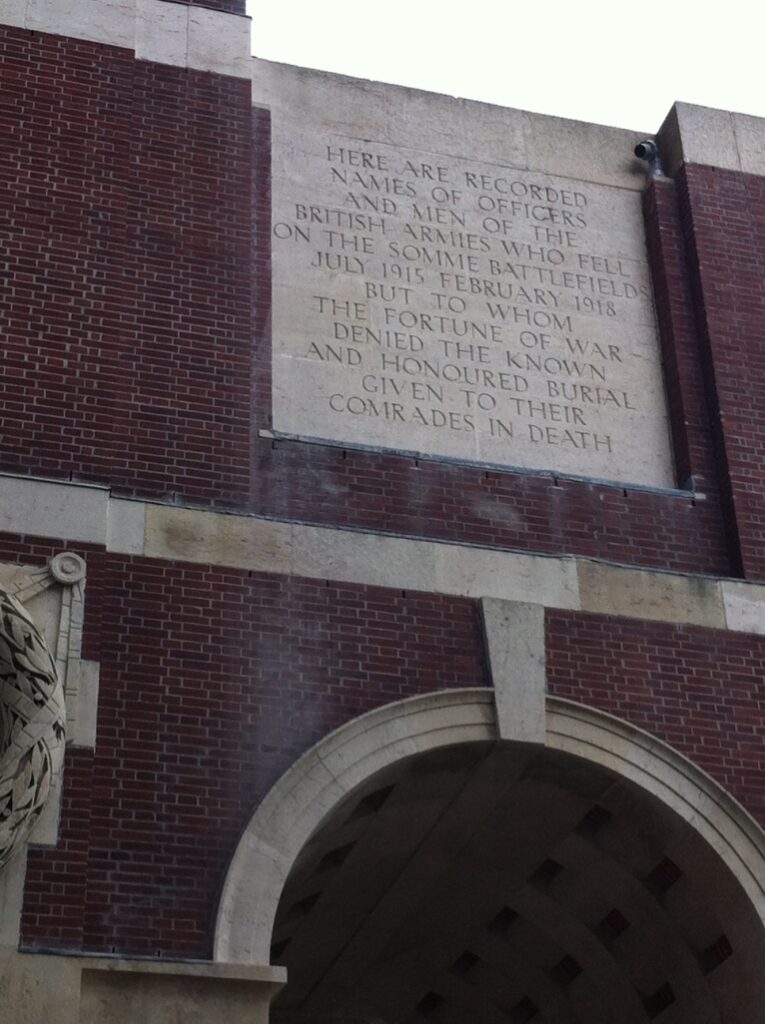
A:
(700, 690)
(461, 504)
(724, 216)
(138, 291)
(129, 330)
(687, 401)
(125, 314)
(212, 683)
(136, 327)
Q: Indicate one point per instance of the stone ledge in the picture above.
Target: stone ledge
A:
(91, 990)
(42, 508)
(187, 969)
(642, 594)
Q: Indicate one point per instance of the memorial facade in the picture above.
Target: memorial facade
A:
(382, 574)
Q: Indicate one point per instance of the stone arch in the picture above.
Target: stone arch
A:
(303, 797)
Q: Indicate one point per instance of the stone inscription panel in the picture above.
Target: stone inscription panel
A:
(462, 309)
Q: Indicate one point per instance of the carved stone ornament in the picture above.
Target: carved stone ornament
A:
(32, 677)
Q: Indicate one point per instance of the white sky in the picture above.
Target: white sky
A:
(611, 63)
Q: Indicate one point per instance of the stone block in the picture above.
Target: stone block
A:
(642, 594)
(208, 537)
(11, 898)
(470, 301)
(510, 575)
(363, 558)
(99, 21)
(47, 509)
(162, 32)
(85, 714)
(515, 639)
(219, 42)
(126, 526)
(129, 993)
(744, 606)
(699, 135)
(13, 13)
(750, 141)
(39, 988)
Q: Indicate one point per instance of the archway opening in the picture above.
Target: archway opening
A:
(498, 883)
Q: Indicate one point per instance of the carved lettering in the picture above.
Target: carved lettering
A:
(471, 311)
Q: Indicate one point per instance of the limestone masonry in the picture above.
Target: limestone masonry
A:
(382, 570)
(428, 302)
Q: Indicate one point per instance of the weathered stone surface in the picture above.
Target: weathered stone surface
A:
(640, 594)
(39, 988)
(110, 21)
(53, 509)
(508, 575)
(221, 540)
(456, 301)
(123, 992)
(515, 639)
(249, 542)
(716, 138)
(750, 142)
(744, 606)
(91, 990)
(126, 526)
(219, 42)
(162, 35)
(11, 899)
